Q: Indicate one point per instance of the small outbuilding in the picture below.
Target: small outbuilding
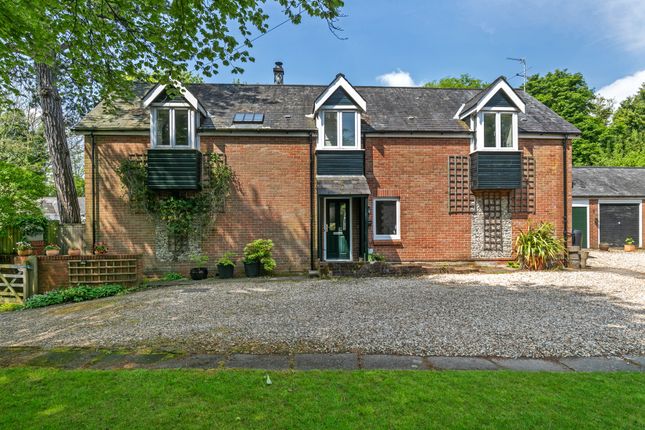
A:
(608, 204)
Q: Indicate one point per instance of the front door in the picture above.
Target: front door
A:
(337, 227)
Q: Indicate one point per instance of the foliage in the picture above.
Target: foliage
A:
(31, 224)
(513, 265)
(539, 248)
(463, 81)
(23, 246)
(226, 259)
(79, 184)
(376, 399)
(97, 46)
(374, 257)
(260, 251)
(624, 140)
(181, 215)
(20, 190)
(172, 276)
(52, 247)
(629, 241)
(73, 294)
(22, 143)
(100, 248)
(8, 307)
(199, 260)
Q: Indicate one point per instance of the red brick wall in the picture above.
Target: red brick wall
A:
(270, 200)
(53, 271)
(548, 185)
(416, 171)
(593, 223)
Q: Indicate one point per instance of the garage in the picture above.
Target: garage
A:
(618, 221)
(607, 205)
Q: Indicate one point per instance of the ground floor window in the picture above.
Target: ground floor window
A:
(387, 219)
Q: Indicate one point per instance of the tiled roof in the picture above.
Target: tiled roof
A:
(608, 182)
(290, 107)
(342, 185)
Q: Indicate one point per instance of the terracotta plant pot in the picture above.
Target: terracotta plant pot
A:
(52, 252)
(630, 248)
(73, 252)
(25, 252)
(604, 246)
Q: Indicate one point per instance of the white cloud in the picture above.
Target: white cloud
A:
(625, 19)
(398, 78)
(622, 88)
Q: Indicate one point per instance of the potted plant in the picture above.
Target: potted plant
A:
(257, 257)
(74, 252)
(52, 250)
(630, 246)
(226, 266)
(200, 272)
(100, 248)
(24, 248)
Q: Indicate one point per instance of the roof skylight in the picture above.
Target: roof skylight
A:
(248, 118)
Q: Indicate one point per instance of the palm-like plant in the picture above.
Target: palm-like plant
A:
(538, 248)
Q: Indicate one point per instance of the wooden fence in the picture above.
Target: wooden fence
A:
(18, 282)
(10, 236)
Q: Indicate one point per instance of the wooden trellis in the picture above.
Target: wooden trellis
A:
(461, 200)
(103, 271)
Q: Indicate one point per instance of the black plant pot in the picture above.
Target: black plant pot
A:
(252, 270)
(225, 271)
(197, 274)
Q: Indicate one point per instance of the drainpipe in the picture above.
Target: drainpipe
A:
(565, 201)
(312, 262)
(94, 189)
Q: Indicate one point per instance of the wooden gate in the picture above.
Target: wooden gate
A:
(18, 281)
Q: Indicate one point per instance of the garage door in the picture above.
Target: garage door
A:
(618, 222)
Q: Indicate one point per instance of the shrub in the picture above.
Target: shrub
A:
(8, 307)
(260, 251)
(52, 247)
(226, 259)
(199, 260)
(23, 246)
(73, 294)
(172, 276)
(629, 241)
(539, 248)
(374, 257)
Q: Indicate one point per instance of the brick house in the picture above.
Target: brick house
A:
(332, 173)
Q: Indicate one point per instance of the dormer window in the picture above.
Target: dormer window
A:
(173, 127)
(496, 130)
(339, 130)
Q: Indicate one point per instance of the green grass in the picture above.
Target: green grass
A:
(48, 398)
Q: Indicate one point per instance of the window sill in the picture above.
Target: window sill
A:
(387, 242)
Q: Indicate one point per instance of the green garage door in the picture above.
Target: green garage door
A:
(580, 223)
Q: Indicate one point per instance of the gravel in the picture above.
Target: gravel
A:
(520, 314)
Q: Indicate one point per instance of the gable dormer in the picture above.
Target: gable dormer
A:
(338, 116)
(174, 117)
(174, 161)
(492, 115)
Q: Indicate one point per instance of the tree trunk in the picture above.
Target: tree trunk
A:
(54, 125)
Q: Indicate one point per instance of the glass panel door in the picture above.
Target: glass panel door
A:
(337, 229)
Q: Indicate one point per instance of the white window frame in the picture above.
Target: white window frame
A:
(339, 131)
(479, 130)
(396, 236)
(192, 126)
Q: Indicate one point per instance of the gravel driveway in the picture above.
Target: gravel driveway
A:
(585, 313)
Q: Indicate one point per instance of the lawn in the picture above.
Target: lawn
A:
(47, 398)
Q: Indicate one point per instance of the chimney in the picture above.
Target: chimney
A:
(278, 73)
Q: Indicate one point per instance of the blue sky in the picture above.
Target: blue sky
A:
(412, 42)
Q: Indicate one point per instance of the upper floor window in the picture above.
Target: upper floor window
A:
(339, 130)
(173, 127)
(496, 131)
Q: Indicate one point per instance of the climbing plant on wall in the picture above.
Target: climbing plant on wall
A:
(184, 215)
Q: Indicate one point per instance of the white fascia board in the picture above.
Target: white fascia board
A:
(501, 85)
(190, 98)
(340, 82)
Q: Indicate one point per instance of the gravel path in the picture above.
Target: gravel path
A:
(548, 314)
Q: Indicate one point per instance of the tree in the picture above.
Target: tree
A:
(90, 47)
(624, 141)
(568, 95)
(463, 81)
(20, 190)
(22, 142)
